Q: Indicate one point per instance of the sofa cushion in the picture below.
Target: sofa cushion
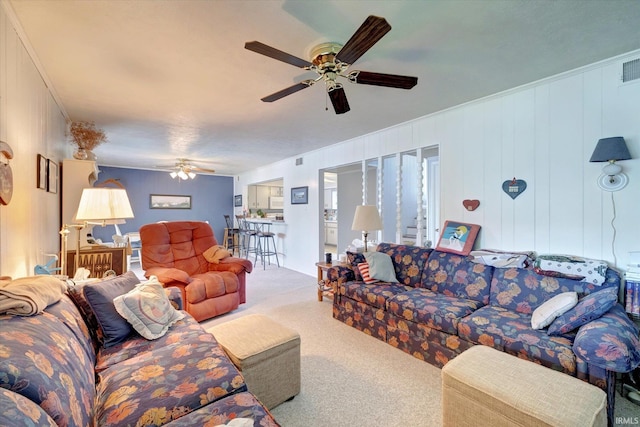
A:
(42, 359)
(147, 309)
(375, 294)
(100, 297)
(434, 310)
(523, 290)
(457, 276)
(237, 406)
(509, 331)
(17, 410)
(165, 383)
(381, 267)
(552, 308)
(408, 261)
(588, 308)
(182, 331)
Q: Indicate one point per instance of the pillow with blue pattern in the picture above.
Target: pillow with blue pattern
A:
(589, 308)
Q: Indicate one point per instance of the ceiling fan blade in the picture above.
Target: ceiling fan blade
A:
(339, 100)
(199, 169)
(288, 91)
(274, 53)
(381, 79)
(371, 30)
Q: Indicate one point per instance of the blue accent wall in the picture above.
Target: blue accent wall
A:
(211, 199)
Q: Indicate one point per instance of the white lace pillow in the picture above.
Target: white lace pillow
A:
(550, 309)
(148, 309)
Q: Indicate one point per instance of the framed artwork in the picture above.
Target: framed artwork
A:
(42, 172)
(300, 195)
(52, 176)
(237, 200)
(168, 201)
(458, 237)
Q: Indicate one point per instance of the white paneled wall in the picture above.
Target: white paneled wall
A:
(543, 133)
(31, 123)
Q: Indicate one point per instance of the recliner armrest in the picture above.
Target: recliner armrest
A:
(233, 264)
(610, 342)
(166, 275)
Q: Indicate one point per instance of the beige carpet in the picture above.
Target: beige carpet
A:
(348, 378)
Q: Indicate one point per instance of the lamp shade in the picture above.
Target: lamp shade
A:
(610, 149)
(366, 218)
(101, 204)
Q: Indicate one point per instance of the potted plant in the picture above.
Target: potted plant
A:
(86, 137)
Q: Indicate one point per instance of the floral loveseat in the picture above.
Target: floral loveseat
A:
(56, 368)
(444, 303)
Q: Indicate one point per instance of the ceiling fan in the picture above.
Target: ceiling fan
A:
(185, 169)
(332, 60)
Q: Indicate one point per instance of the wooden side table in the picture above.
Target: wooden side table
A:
(322, 270)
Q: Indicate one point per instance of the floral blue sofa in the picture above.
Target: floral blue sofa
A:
(56, 370)
(443, 304)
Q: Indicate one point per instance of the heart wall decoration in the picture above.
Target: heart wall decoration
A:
(471, 205)
(514, 187)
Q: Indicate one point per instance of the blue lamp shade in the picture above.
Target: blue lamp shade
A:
(610, 149)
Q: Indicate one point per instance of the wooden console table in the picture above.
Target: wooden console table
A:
(322, 270)
(98, 260)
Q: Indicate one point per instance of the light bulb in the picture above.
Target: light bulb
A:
(173, 174)
(192, 175)
(182, 175)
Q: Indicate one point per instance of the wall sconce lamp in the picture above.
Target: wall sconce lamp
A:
(366, 219)
(611, 150)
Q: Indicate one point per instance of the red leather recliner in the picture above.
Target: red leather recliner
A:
(172, 251)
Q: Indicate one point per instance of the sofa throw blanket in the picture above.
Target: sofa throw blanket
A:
(571, 267)
(502, 259)
(30, 295)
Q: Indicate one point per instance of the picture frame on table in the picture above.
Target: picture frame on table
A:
(458, 237)
(299, 195)
(52, 176)
(237, 200)
(169, 201)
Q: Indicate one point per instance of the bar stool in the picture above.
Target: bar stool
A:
(231, 236)
(246, 232)
(266, 246)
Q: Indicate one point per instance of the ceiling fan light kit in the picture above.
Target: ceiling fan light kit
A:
(331, 60)
(184, 169)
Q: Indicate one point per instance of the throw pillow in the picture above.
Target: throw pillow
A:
(552, 308)
(215, 253)
(148, 309)
(100, 297)
(364, 270)
(381, 267)
(355, 258)
(591, 307)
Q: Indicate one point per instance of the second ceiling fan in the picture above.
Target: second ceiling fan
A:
(332, 60)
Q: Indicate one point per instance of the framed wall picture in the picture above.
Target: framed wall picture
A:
(237, 200)
(168, 201)
(41, 167)
(458, 237)
(52, 176)
(300, 195)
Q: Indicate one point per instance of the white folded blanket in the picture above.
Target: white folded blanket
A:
(30, 295)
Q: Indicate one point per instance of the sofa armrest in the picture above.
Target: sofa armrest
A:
(233, 264)
(175, 297)
(167, 275)
(610, 342)
(340, 274)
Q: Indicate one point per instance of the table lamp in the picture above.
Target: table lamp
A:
(366, 219)
(97, 205)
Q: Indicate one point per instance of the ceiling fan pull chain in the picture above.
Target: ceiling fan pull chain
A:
(326, 104)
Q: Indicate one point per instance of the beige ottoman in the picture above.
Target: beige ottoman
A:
(486, 387)
(267, 354)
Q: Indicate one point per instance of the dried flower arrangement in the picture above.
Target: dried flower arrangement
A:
(85, 135)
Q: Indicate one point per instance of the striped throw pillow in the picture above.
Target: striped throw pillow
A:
(364, 271)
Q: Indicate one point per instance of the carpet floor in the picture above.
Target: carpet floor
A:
(348, 378)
